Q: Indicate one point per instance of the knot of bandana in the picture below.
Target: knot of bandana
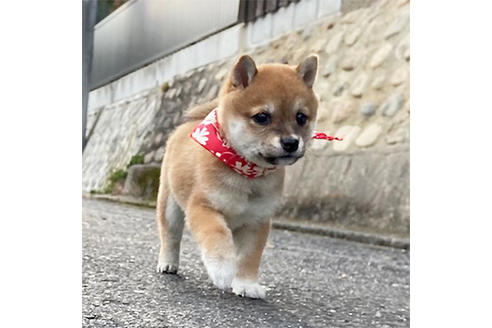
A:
(207, 134)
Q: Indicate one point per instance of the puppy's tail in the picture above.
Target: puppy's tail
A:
(199, 112)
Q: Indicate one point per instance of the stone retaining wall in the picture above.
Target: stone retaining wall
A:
(363, 85)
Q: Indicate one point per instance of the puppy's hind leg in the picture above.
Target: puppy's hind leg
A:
(170, 220)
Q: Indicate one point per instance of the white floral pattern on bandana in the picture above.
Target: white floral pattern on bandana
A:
(200, 135)
(207, 134)
(242, 169)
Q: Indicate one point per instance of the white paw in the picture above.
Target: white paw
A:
(248, 288)
(221, 271)
(166, 267)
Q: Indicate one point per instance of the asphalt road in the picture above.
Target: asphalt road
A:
(312, 281)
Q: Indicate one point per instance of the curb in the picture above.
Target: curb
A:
(361, 237)
(315, 229)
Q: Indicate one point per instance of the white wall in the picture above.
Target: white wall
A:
(230, 42)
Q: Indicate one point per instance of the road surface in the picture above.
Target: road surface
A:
(312, 281)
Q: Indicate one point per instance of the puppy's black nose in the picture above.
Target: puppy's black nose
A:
(289, 144)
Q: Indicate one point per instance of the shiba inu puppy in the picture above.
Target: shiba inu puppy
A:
(262, 120)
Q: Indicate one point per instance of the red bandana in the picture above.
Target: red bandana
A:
(207, 134)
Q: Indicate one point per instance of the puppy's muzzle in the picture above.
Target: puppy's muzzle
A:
(289, 144)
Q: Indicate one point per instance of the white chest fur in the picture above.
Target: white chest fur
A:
(243, 200)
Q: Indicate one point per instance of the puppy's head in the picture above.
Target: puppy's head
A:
(268, 112)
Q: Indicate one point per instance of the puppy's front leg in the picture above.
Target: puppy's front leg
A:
(215, 240)
(250, 240)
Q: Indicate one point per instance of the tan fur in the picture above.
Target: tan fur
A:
(228, 214)
(200, 111)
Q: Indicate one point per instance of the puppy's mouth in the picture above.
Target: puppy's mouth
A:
(281, 160)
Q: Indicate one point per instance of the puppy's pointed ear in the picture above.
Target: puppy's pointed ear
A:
(307, 70)
(244, 71)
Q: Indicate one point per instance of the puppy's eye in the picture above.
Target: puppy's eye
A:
(262, 118)
(301, 118)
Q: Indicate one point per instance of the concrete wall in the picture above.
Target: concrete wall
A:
(220, 46)
(350, 5)
(363, 84)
